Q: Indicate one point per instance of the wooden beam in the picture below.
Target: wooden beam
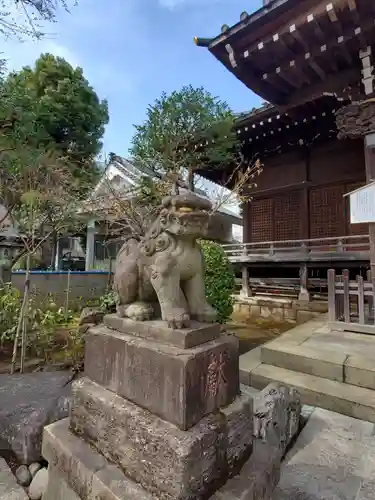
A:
(332, 13)
(315, 91)
(313, 23)
(336, 25)
(367, 71)
(326, 47)
(315, 66)
(352, 4)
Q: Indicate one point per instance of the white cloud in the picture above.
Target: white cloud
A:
(19, 54)
(173, 4)
(170, 4)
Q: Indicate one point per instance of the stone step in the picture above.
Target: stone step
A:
(350, 400)
(334, 457)
(322, 362)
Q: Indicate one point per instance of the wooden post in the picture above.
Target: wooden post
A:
(370, 177)
(303, 279)
(361, 301)
(345, 276)
(90, 245)
(246, 289)
(331, 295)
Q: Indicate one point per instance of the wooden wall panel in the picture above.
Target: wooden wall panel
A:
(338, 161)
(276, 218)
(282, 170)
(327, 211)
(287, 216)
(262, 220)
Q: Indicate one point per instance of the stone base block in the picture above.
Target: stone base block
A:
(77, 472)
(179, 385)
(198, 333)
(165, 460)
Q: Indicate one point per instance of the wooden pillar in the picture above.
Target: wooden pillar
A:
(90, 245)
(246, 289)
(303, 279)
(305, 200)
(370, 177)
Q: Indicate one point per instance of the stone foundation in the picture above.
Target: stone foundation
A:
(277, 309)
(77, 472)
(155, 453)
(154, 421)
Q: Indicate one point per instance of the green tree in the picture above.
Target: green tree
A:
(219, 279)
(184, 130)
(67, 114)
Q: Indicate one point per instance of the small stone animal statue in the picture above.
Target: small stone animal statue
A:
(166, 267)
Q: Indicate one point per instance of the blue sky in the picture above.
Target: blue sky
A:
(132, 50)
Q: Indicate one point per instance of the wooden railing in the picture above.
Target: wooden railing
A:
(346, 247)
(284, 284)
(351, 303)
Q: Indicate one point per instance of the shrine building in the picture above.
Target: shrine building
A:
(312, 62)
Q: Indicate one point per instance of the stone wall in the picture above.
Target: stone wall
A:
(277, 309)
(84, 286)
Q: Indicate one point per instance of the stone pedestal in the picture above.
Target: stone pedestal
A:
(159, 415)
(179, 385)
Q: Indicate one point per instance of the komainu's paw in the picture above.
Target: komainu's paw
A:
(177, 318)
(206, 315)
(138, 311)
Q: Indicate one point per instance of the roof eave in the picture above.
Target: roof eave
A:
(252, 19)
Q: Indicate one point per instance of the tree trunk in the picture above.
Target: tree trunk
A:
(54, 250)
(190, 179)
(21, 319)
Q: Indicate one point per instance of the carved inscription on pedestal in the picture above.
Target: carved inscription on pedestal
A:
(215, 374)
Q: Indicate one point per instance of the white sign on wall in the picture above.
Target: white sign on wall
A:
(362, 204)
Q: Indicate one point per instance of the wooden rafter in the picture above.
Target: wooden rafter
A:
(294, 33)
(323, 49)
(330, 84)
(337, 27)
(352, 4)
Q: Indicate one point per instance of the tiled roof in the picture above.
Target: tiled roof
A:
(246, 115)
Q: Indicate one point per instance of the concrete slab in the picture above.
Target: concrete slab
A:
(333, 459)
(248, 362)
(340, 356)
(332, 370)
(9, 489)
(326, 364)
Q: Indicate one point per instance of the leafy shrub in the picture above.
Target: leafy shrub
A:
(10, 306)
(107, 302)
(51, 330)
(219, 279)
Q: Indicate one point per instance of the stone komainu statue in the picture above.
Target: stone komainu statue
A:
(166, 268)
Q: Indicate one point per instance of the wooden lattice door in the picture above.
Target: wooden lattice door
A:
(327, 212)
(287, 217)
(261, 220)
